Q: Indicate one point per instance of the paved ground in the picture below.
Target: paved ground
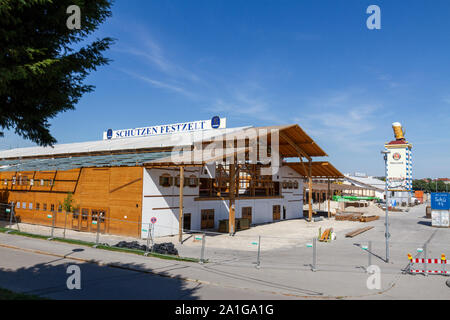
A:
(46, 276)
(275, 235)
(283, 274)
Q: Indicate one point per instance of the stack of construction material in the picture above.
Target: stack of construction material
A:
(355, 216)
(348, 216)
(326, 235)
(369, 218)
(162, 248)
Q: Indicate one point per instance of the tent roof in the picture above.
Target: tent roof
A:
(292, 140)
(116, 146)
(194, 158)
(320, 169)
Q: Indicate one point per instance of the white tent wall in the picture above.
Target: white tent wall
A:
(163, 202)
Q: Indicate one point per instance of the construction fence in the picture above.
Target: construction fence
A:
(255, 251)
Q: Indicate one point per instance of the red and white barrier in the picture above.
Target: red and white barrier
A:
(429, 271)
(442, 261)
(431, 261)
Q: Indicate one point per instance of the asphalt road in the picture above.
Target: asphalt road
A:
(284, 274)
(46, 276)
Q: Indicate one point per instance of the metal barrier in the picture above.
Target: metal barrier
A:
(242, 249)
(425, 262)
(7, 213)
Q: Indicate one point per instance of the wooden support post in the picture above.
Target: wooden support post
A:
(320, 198)
(329, 197)
(232, 215)
(310, 190)
(180, 219)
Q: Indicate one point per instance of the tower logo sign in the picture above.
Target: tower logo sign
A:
(396, 156)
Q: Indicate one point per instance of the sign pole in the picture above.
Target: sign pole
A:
(180, 218)
(153, 221)
(148, 240)
(13, 205)
(387, 235)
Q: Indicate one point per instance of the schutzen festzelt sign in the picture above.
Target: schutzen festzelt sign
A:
(201, 125)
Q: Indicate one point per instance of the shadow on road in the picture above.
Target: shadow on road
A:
(425, 223)
(116, 281)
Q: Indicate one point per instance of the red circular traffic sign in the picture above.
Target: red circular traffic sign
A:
(153, 220)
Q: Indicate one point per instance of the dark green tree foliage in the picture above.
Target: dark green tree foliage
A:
(43, 63)
(68, 205)
(430, 186)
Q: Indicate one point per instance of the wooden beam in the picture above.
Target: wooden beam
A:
(357, 231)
(53, 182)
(172, 165)
(328, 197)
(300, 151)
(180, 219)
(78, 179)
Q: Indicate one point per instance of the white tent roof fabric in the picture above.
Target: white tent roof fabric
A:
(160, 141)
(60, 157)
(369, 181)
(68, 163)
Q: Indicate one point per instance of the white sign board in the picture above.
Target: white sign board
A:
(440, 218)
(201, 125)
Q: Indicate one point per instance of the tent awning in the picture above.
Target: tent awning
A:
(319, 169)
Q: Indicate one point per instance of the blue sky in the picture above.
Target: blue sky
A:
(313, 63)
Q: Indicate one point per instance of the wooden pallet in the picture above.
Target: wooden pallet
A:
(356, 217)
(369, 218)
(357, 231)
(351, 216)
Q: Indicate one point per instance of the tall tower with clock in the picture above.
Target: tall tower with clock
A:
(399, 167)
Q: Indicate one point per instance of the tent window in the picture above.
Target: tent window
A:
(165, 180)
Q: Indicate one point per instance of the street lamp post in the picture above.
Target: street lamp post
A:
(387, 235)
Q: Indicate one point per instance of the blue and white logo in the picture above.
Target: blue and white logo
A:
(109, 134)
(215, 122)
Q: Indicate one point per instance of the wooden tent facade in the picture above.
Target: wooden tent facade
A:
(113, 196)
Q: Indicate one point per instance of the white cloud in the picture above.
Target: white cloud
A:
(160, 84)
(246, 103)
(344, 118)
(152, 53)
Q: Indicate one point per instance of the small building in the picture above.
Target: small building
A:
(371, 186)
(197, 174)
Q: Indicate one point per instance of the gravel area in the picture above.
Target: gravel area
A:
(371, 210)
(283, 234)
